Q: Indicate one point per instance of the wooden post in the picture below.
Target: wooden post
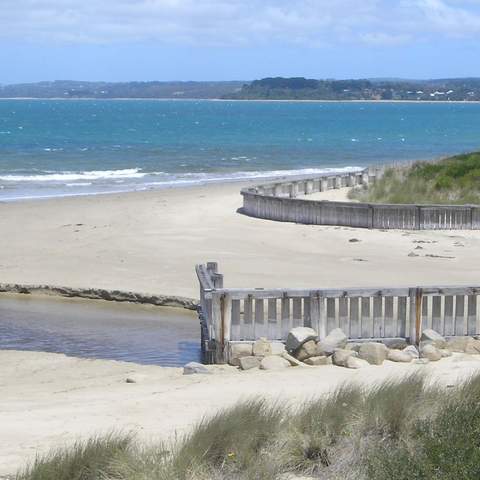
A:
(226, 322)
(322, 322)
(415, 295)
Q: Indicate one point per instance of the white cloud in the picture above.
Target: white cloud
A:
(238, 22)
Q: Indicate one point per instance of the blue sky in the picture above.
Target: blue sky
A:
(121, 40)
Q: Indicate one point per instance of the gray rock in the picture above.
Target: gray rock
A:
(195, 368)
(298, 336)
(262, 348)
(399, 356)
(274, 362)
(355, 362)
(340, 356)
(395, 343)
(458, 344)
(247, 363)
(374, 353)
(412, 351)
(316, 361)
(278, 348)
(307, 350)
(335, 339)
(238, 350)
(429, 335)
(130, 380)
(292, 360)
(355, 346)
(430, 352)
(473, 347)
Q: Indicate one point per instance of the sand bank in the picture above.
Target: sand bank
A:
(50, 400)
(150, 241)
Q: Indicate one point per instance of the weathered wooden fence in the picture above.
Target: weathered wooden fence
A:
(278, 201)
(232, 315)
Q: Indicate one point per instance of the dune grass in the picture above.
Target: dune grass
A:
(402, 429)
(453, 180)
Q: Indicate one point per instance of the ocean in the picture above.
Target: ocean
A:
(79, 147)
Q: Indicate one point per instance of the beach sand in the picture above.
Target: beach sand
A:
(50, 400)
(150, 242)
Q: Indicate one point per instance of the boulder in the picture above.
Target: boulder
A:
(315, 361)
(335, 339)
(412, 351)
(195, 368)
(247, 363)
(395, 343)
(430, 352)
(457, 344)
(274, 362)
(292, 360)
(262, 348)
(307, 350)
(374, 353)
(473, 347)
(429, 335)
(355, 362)
(238, 350)
(298, 336)
(399, 356)
(341, 355)
(353, 346)
(278, 348)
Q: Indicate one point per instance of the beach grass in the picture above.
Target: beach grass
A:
(453, 180)
(400, 429)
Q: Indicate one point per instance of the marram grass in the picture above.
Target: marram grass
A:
(399, 429)
(454, 180)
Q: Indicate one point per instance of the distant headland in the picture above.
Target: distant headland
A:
(278, 88)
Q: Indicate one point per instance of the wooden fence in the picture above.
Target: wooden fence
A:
(278, 201)
(231, 315)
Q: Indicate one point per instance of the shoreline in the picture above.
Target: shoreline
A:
(166, 99)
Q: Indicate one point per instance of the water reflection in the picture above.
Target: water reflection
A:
(96, 329)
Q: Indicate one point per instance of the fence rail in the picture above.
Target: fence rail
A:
(232, 315)
(278, 201)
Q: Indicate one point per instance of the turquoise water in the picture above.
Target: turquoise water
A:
(50, 148)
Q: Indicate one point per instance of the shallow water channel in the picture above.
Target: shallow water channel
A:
(98, 329)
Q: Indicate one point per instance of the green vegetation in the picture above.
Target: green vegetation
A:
(405, 429)
(453, 180)
(299, 88)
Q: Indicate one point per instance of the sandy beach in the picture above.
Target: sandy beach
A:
(50, 400)
(150, 242)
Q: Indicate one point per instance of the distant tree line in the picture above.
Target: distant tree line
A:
(278, 88)
(300, 88)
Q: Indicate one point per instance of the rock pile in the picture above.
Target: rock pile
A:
(304, 348)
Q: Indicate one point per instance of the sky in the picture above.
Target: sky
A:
(123, 40)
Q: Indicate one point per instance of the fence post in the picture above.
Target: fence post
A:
(322, 317)
(217, 326)
(225, 323)
(415, 295)
(418, 214)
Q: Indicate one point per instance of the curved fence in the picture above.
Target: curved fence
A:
(278, 201)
